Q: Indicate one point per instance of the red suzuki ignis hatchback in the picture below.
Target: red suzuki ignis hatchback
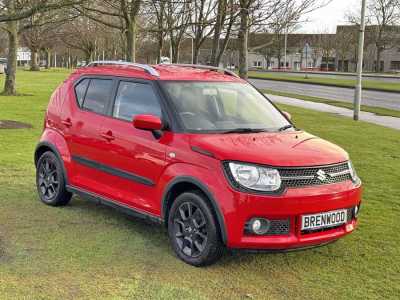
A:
(197, 149)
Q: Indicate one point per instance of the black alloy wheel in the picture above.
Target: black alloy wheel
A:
(50, 181)
(190, 229)
(193, 230)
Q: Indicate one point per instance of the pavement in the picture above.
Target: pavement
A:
(339, 75)
(386, 121)
(372, 98)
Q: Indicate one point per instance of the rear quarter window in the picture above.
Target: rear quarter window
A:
(80, 91)
(97, 95)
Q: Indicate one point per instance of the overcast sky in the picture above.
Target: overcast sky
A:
(326, 18)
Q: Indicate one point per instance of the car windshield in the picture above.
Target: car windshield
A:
(223, 107)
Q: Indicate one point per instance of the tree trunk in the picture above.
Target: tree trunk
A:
(175, 53)
(34, 60)
(243, 43)
(160, 46)
(88, 56)
(217, 32)
(378, 59)
(196, 52)
(131, 41)
(48, 59)
(10, 82)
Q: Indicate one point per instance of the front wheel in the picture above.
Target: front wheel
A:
(193, 230)
(50, 180)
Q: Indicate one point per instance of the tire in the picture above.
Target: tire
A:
(193, 231)
(50, 181)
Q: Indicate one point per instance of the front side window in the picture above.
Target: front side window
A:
(223, 106)
(135, 99)
(97, 95)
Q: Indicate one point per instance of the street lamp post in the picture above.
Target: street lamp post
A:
(358, 89)
(286, 37)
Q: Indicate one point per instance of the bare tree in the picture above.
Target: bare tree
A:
(226, 16)
(385, 14)
(157, 8)
(118, 14)
(11, 12)
(202, 20)
(177, 21)
(41, 30)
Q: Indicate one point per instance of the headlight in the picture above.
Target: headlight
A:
(255, 177)
(353, 173)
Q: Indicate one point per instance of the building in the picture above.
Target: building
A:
(319, 52)
(23, 56)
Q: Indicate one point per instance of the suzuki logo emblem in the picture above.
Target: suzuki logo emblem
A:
(321, 175)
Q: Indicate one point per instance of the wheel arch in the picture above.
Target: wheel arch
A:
(45, 146)
(186, 183)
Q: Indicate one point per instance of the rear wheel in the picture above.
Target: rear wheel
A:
(50, 180)
(193, 230)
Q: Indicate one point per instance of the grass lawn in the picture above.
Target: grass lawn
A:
(376, 110)
(89, 251)
(367, 84)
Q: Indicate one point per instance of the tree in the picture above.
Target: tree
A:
(119, 14)
(11, 27)
(202, 21)
(225, 19)
(40, 31)
(11, 12)
(157, 7)
(177, 21)
(385, 14)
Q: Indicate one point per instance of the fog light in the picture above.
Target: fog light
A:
(259, 226)
(356, 211)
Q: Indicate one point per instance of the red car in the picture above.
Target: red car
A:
(200, 150)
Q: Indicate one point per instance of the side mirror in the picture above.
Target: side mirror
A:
(147, 122)
(287, 115)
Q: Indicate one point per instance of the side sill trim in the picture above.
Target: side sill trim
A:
(112, 203)
(113, 171)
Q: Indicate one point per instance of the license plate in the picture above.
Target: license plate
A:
(324, 220)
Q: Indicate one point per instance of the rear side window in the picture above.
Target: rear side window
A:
(80, 91)
(135, 99)
(97, 95)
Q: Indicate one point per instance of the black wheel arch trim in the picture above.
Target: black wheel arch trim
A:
(202, 187)
(54, 149)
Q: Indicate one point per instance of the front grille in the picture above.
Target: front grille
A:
(277, 227)
(309, 176)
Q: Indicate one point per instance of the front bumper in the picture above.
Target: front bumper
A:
(291, 206)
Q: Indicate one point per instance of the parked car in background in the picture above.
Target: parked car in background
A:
(198, 149)
(3, 65)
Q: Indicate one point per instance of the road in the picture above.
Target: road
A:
(386, 121)
(372, 98)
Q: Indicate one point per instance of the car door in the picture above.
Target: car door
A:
(134, 158)
(82, 121)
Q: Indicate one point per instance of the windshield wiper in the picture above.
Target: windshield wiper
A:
(283, 128)
(245, 130)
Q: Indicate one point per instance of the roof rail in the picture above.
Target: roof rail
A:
(146, 68)
(211, 68)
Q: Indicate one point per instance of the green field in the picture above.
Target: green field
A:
(89, 251)
(339, 82)
(381, 111)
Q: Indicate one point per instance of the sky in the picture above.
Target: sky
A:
(325, 19)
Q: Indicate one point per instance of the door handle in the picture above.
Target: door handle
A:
(67, 122)
(107, 135)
